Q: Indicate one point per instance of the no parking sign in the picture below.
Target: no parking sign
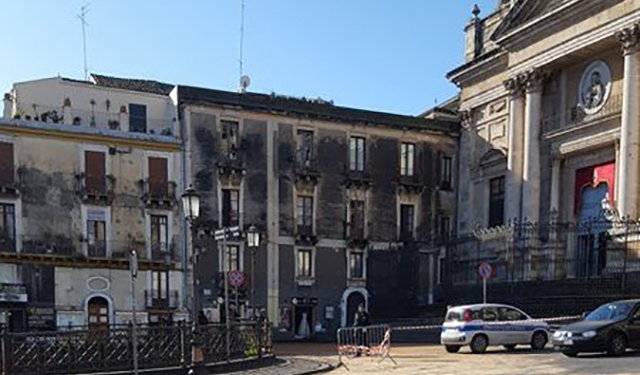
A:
(485, 270)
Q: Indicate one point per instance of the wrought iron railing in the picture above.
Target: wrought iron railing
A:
(155, 300)
(84, 351)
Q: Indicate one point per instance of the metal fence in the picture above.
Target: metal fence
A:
(101, 350)
(596, 259)
(370, 341)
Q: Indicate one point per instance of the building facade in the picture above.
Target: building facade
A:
(89, 172)
(347, 202)
(550, 136)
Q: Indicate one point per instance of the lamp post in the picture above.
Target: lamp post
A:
(253, 241)
(191, 208)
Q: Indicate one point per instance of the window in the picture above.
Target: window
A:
(407, 157)
(496, 202)
(160, 285)
(490, 314)
(7, 174)
(95, 171)
(233, 258)
(229, 135)
(446, 172)
(158, 177)
(508, 315)
(7, 228)
(356, 154)
(159, 237)
(230, 207)
(96, 238)
(444, 227)
(305, 266)
(356, 265)
(137, 118)
(304, 215)
(304, 153)
(356, 221)
(406, 221)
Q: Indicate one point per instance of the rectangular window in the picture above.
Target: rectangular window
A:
(95, 171)
(304, 215)
(137, 118)
(356, 265)
(160, 286)
(7, 172)
(158, 177)
(159, 237)
(357, 219)
(446, 173)
(230, 207)
(444, 227)
(406, 221)
(7, 228)
(496, 202)
(96, 238)
(305, 266)
(229, 135)
(233, 258)
(304, 152)
(407, 158)
(356, 154)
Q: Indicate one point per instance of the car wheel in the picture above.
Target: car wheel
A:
(452, 348)
(570, 353)
(617, 345)
(539, 341)
(510, 347)
(479, 344)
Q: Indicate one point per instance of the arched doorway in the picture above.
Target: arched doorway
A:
(98, 313)
(353, 301)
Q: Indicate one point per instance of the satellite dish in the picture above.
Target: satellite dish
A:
(245, 81)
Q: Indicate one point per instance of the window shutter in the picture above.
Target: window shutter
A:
(6, 163)
(95, 171)
(158, 176)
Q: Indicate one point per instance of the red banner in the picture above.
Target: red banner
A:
(592, 177)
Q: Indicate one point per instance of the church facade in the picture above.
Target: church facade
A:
(549, 151)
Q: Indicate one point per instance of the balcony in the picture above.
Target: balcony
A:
(164, 252)
(305, 235)
(230, 166)
(154, 302)
(13, 293)
(357, 179)
(575, 117)
(116, 119)
(10, 182)
(307, 172)
(411, 184)
(159, 195)
(96, 189)
(7, 244)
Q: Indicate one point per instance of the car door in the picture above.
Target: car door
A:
(634, 329)
(493, 327)
(514, 328)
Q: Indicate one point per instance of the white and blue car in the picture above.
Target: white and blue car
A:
(484, 325)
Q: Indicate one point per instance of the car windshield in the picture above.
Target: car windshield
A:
(611, 311)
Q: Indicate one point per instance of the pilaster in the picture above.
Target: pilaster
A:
(513, 201)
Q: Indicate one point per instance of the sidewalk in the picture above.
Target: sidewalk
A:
(289, 366)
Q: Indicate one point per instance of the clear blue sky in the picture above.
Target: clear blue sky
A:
(388, 55)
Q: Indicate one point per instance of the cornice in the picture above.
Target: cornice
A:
(475, 69)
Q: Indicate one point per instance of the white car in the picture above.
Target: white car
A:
(483, 325)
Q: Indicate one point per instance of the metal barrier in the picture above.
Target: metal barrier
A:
(371, 341)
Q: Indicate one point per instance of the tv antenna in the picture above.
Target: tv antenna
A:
(84, 10)
(244, 80)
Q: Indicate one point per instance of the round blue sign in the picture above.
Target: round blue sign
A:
(485, 270)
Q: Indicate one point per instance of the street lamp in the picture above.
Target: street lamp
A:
(253, 241)
(191, 209)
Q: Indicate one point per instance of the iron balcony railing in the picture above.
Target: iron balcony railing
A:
(155, 300)
(576, 116)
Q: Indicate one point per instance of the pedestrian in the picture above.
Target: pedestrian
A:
(361, 321)
(202, 318)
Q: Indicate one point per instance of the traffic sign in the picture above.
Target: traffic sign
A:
(236, 278)
(233, 232)
(485, 270)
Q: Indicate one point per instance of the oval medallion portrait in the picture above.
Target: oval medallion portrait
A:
(595, 87)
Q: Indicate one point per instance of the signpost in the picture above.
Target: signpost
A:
(223, 234)
(485, 271)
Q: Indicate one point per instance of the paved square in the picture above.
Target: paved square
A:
(434, 360)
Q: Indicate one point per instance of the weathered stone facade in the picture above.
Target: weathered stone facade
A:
(296, 161)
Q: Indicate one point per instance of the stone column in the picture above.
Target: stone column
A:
(628, 182)
(513, 201)
(531, 166)
(556, 168)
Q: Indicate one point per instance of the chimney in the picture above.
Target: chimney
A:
(8, 106)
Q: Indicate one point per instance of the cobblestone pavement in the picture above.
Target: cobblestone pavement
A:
(416, 360)
(288, 366)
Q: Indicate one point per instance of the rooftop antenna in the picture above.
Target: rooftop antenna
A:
(244, 80)
(83, 19)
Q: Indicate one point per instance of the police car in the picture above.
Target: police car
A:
(479, 326)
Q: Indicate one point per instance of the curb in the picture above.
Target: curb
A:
(324, 366)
